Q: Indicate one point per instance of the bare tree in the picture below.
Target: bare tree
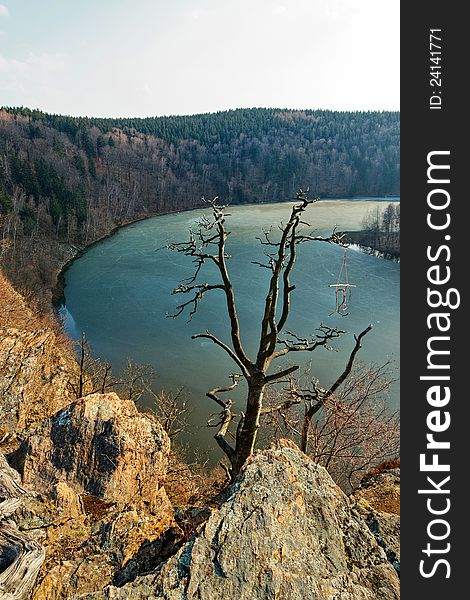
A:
(388, 218)
(171, 410)
(95, 375)
(351, 431)
(208, 244)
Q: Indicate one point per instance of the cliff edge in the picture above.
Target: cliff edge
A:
(84, 513)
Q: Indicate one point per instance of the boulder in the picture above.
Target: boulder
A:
(100, 445)
(286, 530)
(102, 513)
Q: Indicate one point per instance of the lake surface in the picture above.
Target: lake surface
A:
(119, 294)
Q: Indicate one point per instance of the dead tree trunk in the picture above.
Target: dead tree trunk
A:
(250, 422)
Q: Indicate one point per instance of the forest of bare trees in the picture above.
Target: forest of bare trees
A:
(68, 181)
(380, 231)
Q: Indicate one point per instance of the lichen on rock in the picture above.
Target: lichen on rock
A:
(101, 445)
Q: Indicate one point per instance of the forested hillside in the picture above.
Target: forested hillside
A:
(71, 180)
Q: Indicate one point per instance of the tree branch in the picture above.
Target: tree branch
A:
(324, 395)
(269, 328)
(281, 374)
(334, 238)
(220, 436)
(349, 364)
(229, 295)
(211, 232)
(287, 287)
(213, 393)
(227, 349)
(281, 406)
(226, 415)
(308, 345)
(199, 291)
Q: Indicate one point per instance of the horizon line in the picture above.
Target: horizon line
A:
(198, 114)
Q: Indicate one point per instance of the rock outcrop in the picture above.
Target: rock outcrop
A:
(21, 556)
(36, 366)
(378, 500)
(285, 531)
(100, 445)
(100, 511)
(89, 552)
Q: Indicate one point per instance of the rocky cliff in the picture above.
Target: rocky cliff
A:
(285, 531)
(36, 364)
(93, 474)
(84, 513)
(86, 492)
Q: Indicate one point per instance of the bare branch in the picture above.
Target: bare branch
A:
(171, 410)
(220, 436)
(324, 397)
(230, 299)
(213, 393)
(199, 291)
(297, 344)
(270, 266)
(334, 238)
(211, 232)
(227, 349)
(226, 415)
(285, 252)
(281, 374)
(350, 362)
(287, 287)
(267, 239)
(282, 406)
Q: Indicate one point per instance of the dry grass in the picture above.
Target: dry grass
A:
(381, 489)
(37, 361)
(386, 465)
(94, 507)
(19, 310)
(192, 484)
(14, 311)
(383, 498)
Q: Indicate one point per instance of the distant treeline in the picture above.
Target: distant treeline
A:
(73, 179)
(380, 231)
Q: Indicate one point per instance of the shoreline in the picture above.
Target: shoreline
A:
(58, 291)
(374, 252)
(356, 239)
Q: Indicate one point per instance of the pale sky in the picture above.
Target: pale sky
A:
(156, 57)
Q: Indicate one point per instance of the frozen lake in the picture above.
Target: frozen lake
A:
(119, 293)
